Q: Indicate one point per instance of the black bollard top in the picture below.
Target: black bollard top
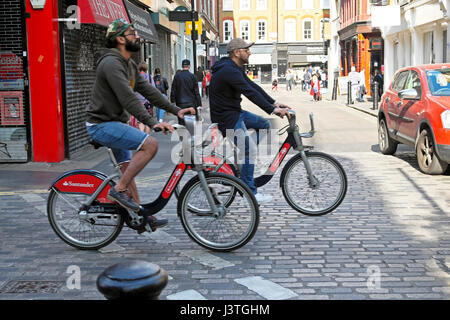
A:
(132, 279)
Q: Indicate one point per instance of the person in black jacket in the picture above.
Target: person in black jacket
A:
(184, 92)
(228, 82)
(162, 85)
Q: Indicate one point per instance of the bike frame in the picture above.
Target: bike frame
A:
(293, 140)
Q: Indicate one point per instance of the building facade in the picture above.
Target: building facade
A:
(419, 36)
(287, 33)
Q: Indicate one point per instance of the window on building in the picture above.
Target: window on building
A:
(290, 5)
(307, 4)
(290, 27)
(261, 4)
(307, 29)
(261, 30)
(227, 5)
(245, 29)
(324, 4)
(227, 30)
(245, 4)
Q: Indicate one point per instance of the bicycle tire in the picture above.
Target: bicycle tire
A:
(294, 182)
(223, 234)
(66, 227)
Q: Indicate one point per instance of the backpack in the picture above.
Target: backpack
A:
(159, 83)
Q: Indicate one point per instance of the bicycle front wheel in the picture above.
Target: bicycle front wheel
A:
(233, 226)
(316, 200)
(80, 230)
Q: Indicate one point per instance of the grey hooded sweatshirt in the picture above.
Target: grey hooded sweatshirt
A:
(113, 97)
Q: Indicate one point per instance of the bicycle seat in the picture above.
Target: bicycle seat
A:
(95, 144)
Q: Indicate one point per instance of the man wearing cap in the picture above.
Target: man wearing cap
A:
(184, 92)
(113, 100)
(227, 84)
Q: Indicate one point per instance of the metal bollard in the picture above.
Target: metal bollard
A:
(334, 93)
(349, 93)
(375, 96)
(134, 279)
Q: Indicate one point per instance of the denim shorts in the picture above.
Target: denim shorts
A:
(119, 136)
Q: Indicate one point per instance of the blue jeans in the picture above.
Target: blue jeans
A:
(160, 112)
(118, 136)
(247, 121)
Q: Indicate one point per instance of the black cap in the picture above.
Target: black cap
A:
(185, 62)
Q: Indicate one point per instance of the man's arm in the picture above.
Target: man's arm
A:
(260, 90)
(154, 96)
(239, 83)
(117, 78)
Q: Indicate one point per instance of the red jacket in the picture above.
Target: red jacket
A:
(206, 79)
(311, 92)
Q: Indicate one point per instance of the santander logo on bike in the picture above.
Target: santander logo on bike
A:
(78, 184)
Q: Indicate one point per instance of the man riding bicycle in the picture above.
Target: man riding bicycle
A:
(113, 100)
(227, 84)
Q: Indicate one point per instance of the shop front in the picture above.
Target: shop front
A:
(14, 90)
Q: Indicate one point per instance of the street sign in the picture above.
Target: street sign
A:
(182, 15)
(198, 26)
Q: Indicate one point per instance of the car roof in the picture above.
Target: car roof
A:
(434, 66)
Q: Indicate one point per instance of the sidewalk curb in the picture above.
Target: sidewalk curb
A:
(371, 112)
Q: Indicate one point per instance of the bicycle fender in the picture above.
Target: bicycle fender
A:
(82, 182)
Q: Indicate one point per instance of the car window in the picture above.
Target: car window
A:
(439, 81)
(413, 82)
(399, 82)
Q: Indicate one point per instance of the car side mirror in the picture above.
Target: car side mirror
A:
(408, 94)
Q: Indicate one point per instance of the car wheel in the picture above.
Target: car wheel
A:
(427, 158)
(386, 143)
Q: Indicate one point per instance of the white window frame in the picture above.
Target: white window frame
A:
(304, 29)
(257, 30)
(290, 4)
(261, 4)
(242, 24)
(244, 4)
(289, 37)
(227, 5)
(310, 4)
(230, 26)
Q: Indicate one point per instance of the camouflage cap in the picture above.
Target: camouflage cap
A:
(117, 27)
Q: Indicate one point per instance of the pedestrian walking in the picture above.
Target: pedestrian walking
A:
(228, 82)
(199, 74)
(288, 80)
(206, 81)
(315, 86)
(184, 92)
(362, 85)
(275, 85)
(379, 79)
(354, 78)
(143, 70)
(307, 79)
(162, 85)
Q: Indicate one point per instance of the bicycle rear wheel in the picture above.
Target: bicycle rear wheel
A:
(236, 224)
(314, 200)
(82, 231)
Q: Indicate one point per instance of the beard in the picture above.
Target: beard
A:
(132, 47)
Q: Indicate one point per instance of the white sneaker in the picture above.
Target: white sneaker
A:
(263, 198)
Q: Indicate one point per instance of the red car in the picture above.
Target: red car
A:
(415, 110)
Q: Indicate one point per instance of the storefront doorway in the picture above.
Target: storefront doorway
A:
(14, 96)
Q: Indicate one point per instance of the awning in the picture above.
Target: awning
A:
(101, 12)
(142, 22)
